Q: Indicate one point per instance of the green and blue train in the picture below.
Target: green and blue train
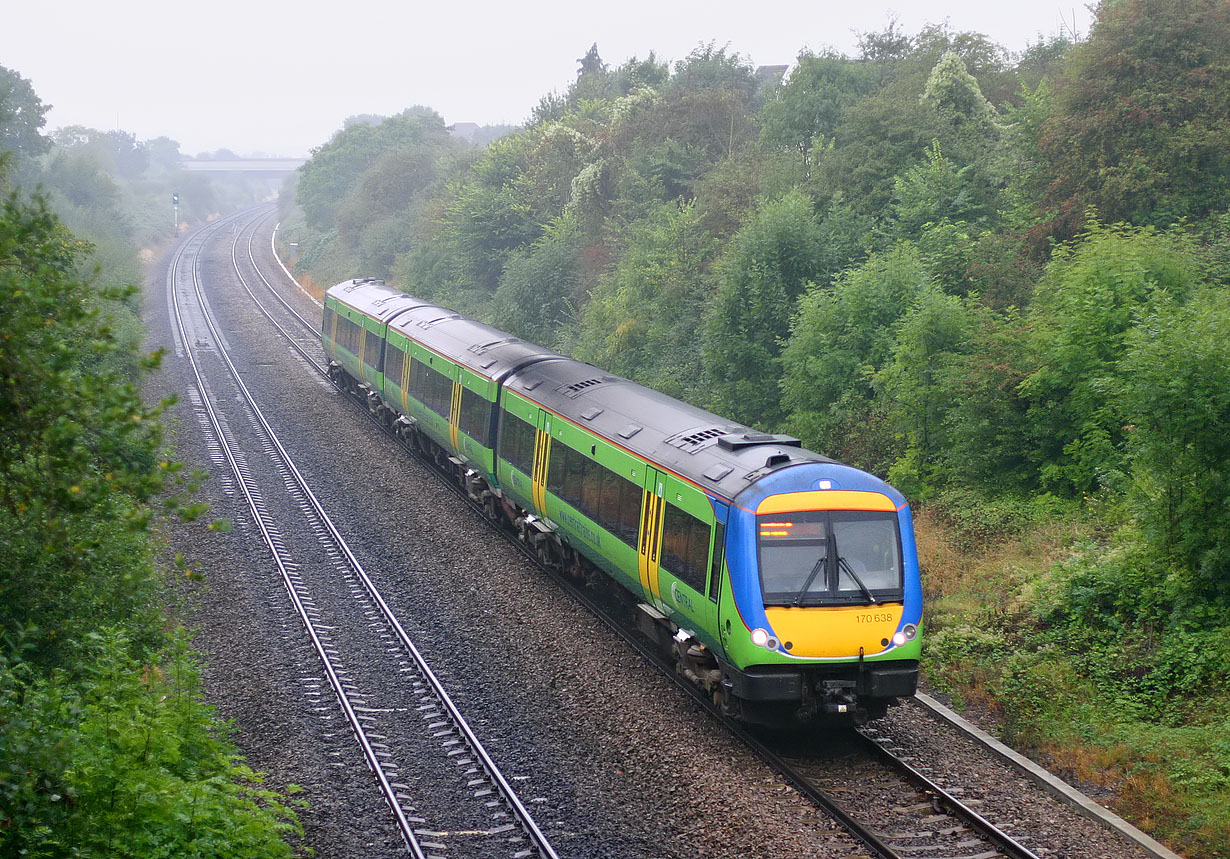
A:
(783, 583)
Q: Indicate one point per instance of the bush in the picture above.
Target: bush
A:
(123, 759)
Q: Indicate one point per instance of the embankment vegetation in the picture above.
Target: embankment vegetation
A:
(106, 746)
(998, 280)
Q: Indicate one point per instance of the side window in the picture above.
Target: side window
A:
(556, 477)
(350, 336)
(371, 350)
(326, 324)
(631, 496)
(517, 443)
(621, 507)
(394, 359)
(685, 547)
(431, 387)
(475, 418)
(414, 385)
(719, 558)
(574, 479)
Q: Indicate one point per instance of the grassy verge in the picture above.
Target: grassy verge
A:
(1084, 653)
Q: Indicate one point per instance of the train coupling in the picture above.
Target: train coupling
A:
(837, 696)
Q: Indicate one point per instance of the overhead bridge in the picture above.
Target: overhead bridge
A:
(244, 165)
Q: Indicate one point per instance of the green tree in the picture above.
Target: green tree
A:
(641, 320)
(21, 117)
(78, 448)
(1140, 124)
(1093, 292)
(921, 386)
(537, 291)
(840, 339)
(1172, 390)
(768, 265)
(807, 110)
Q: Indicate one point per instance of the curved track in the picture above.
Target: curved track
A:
(442, 727)
(930, 821)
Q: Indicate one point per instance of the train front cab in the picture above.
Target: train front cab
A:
(825, 609)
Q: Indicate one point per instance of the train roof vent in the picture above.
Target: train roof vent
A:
(630, 430)
(738, 441)
(362, 281)
(480, 348)
(717, 472)
(590, 414)
(694, 439)
(427, 323)
(577, 388)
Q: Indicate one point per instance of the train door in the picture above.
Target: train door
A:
(454, 416)
(649, 544)
(542, 456)
(717, 570)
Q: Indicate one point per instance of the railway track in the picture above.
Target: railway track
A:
(336, 601)
(919, 819)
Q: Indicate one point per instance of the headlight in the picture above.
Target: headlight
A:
(760, 637)
(910, 631)
(899, 638)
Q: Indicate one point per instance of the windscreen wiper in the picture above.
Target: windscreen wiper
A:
(811, 577)
(843, 564)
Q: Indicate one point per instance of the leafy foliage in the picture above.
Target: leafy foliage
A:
(960, 269)
(1139, 118)
(101, 754)
(769, 264)
(125, 760)
(1093, 292)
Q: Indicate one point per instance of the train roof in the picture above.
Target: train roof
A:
(716, 453)
(374, 297)
(483, 349)
(723, 456)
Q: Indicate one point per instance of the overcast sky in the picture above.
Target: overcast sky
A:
(279, 79)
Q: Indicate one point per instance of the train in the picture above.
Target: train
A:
(783, 584)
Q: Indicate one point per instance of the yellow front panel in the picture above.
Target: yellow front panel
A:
(835, 631)
(829, 499)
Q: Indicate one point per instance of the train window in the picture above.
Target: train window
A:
(556, 471)
(719, 557)
(685, 547)
(574, 486)
(371, 350)
(431, 387)
(834, 557)
(617, 503)
(591, 489)
(327, 322)
(345, 330)
(609, 495)
(414, 384)
(517, 439)
(631, 497)
(475, 419)
(394, 359)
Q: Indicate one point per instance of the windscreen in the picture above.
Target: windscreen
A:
(829, 557)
